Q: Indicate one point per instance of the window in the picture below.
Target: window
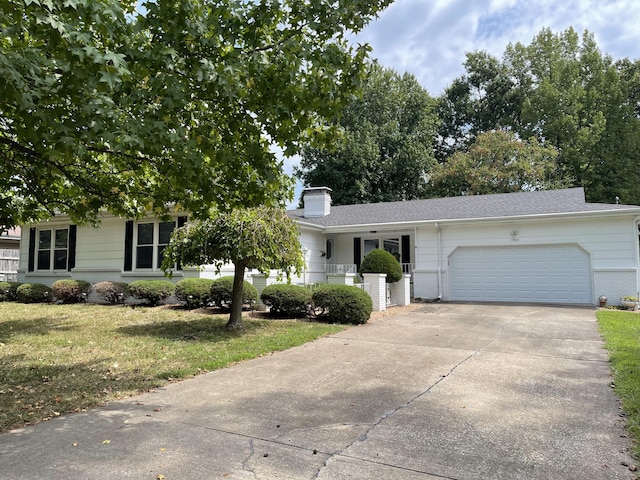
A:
(391, 245)
(152, 239)
(53, 249)
(370, 245)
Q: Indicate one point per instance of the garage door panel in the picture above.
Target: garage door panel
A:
(544, 274)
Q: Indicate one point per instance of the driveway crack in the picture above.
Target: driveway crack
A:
(393, 411)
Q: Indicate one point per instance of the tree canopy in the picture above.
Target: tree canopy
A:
(497, 162)
(261, 238)
(386, 147)
(104, 107)
(562, 90)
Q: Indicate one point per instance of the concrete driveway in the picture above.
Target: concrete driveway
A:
(453, 391)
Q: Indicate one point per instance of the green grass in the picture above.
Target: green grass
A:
(56, 359)
(621, 333)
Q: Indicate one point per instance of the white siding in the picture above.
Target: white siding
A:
(610, 242)
(314, 245)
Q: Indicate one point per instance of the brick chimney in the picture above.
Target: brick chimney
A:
(317, 201)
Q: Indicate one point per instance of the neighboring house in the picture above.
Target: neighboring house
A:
(9, 254)
(543, 247)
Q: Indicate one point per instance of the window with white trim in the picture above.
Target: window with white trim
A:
(52, 249)
(151, 240)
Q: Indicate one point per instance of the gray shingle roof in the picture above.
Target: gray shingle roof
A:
(503, 205)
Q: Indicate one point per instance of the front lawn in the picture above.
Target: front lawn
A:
(56, 359)
(621, 333)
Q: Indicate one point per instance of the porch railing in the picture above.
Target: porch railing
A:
(407, 268)
(337, 268)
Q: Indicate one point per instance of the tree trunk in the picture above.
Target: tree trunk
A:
(235, 318)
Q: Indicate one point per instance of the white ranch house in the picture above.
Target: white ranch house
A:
(542, 247)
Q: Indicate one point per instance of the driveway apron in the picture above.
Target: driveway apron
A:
(449, 391)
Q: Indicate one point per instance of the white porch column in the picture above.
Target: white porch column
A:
(340, 278)
(377, 290)
(259, 280)
(401, 291)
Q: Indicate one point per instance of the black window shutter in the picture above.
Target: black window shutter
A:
(406, 249)
(357, 252)
(128, 246)
(32, 249)
(72, 246)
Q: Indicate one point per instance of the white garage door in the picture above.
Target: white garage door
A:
(540, 274)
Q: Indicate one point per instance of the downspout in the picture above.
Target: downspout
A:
(439, 251)
(637, 250)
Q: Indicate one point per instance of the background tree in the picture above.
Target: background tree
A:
(263, 238)
(103, 107)
(484, 99)
(565, 92)
(497, 162)
(386, 149)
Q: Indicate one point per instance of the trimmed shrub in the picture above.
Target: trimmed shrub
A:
(381, 261)
(222, 288)
(112, 292)
(71, 291)
(194, 292)
(9, 291)
(286, 300)
(34, 293)
(343, 303)
(153, 291)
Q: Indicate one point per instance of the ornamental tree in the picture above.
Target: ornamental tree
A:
(106, 107)
(498, 162)
(261, 238)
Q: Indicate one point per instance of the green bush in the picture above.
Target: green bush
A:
(343, 303)
(71, 291)
(9, 291)
(194, 292)
(286, 300)
(153, 291)
(34, 293)
(381, 261)
(222, 288)
(112, 292)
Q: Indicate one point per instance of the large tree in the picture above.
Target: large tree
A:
(263, 238)
(564, 91)
(103, 107)
(484, 99)
(497, 162)
(386, 149)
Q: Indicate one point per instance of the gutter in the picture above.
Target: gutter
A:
(439, 249)
(636, 235)
(352, 228)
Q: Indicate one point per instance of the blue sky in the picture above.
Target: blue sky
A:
(429, 38)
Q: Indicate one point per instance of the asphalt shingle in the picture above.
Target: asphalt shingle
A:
(503, 205)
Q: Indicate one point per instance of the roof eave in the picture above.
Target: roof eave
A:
(501, 219)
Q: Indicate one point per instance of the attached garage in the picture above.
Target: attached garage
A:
(527, 273)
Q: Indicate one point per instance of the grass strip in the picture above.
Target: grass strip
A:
(56, 359)
(621, 333)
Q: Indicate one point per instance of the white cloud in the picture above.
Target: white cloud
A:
(430, 38)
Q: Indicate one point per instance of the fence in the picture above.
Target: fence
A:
(9, 260)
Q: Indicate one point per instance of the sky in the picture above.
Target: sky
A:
(429, 38)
